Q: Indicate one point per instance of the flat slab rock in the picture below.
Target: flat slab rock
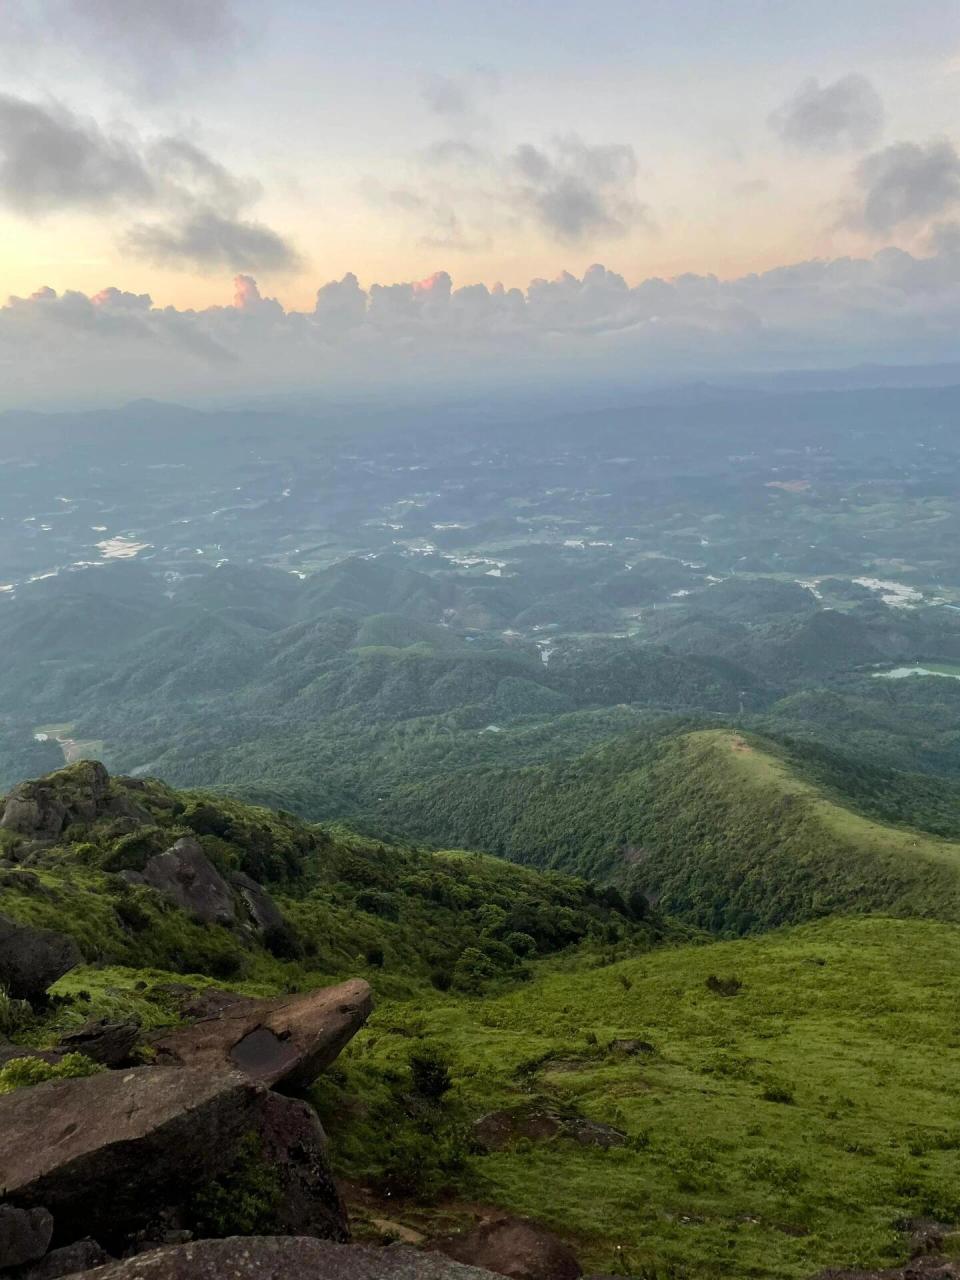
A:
(284, 1258)
(111, 1154)
(106, 1149)
(287, 1040)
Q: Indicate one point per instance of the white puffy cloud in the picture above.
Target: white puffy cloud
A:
(893, 307)
(847, 114)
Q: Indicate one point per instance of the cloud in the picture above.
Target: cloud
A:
(845, 115)
(149, 46)
(445, 96)
(52, 160)
(458, 96)
(577, 191)
(572, 191)
(907, 183)
(894, 307)
(207, 241)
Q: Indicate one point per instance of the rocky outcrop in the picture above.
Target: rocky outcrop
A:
(288, 1040)
(537, 1122)
(66, 1261)
(24, 1235)
(113, 1155)
(513, 1247)
(294, 1147)
(42, 809)
(186, 876)
(102, 1153)
(917, 1269)
(261, 908)
(31, 960)
(284, 1258)
(109, 1043)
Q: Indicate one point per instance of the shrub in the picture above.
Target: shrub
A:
(472, 970)
(243, 1200)
(14, 1014)
(22, 1072)
(281, 941)
(429, 1073)
(729, 986)
(778, 1093)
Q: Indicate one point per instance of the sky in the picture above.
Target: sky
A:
(206, 195)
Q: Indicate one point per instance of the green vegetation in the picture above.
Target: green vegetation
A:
(769, 1133)
(19, 1073)
(730, 831)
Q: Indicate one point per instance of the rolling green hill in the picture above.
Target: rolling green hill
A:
(728, 830)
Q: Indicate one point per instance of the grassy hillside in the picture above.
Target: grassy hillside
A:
(730, 831)
(776, 1104)
(770, 1133)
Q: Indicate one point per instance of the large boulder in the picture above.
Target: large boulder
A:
(31, 960)
(287, 1040)
(513, 1247)
(66, 1261)
(116, 1154)
(261, 908)
(24, 1235)
(284, 1258)
(43, 808)
(186, 876)
(293, 1144)
(104, 1152)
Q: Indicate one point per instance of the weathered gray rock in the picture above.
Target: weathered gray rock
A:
(262, 909)
(289, 1040)
(295, 1147)
(186, 876)
(102, 1153)
(284, 1258)
(122, 1155)
(109, 1043)
(513, 1247)
(43, 808)
(31, 960)
(66, 1261)
(25, 1234)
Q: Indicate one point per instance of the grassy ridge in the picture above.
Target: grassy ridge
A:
(732, 832)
